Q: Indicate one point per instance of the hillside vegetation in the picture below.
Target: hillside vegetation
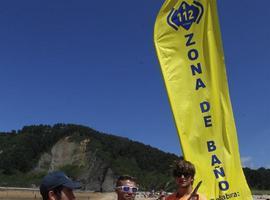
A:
(21, 151)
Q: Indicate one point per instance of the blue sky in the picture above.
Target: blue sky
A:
(93, 63)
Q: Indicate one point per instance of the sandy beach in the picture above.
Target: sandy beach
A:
(33, 194)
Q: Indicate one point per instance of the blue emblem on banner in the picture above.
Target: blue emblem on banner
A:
(185, 15)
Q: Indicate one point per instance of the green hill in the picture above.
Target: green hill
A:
(20, 152)
(93, 158)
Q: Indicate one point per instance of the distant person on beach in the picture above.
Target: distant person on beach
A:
(184, 172)
(57, 186)
(162, 195)
(126, 188)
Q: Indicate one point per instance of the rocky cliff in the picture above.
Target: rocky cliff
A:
(92, 172)
(93, 158)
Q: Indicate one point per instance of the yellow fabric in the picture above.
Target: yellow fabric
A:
(188, 44)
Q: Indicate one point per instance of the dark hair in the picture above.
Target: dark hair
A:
(56, 191)
(124, 178)
(183, 167)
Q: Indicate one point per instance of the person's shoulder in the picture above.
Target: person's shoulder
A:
(171, 197)
(202, 197)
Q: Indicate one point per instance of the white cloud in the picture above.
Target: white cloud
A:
(247, 161)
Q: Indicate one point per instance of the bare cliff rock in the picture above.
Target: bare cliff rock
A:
(91, 171)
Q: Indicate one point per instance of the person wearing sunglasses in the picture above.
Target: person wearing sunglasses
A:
(184, 172)
(126, 188)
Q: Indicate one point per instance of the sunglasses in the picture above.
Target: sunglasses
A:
(128, 189)
(186, 175)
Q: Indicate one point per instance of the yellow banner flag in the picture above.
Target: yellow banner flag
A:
(188, 44)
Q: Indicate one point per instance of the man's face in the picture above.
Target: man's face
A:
(184, 181)
(127, 194)
(66, 194)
